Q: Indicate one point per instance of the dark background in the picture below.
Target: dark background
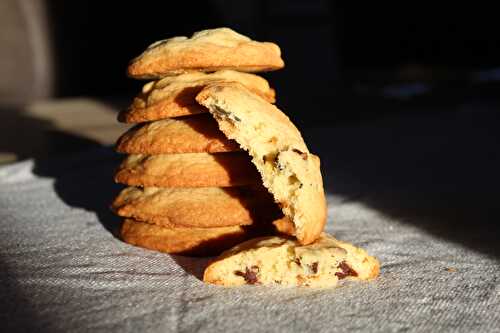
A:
(336, 53)
(345, 61)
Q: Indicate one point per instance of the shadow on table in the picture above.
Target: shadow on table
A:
(439, 173)
(82, 182)
(85, 180)
(194, 266)
(25, 136)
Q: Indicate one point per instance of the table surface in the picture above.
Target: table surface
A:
(57, 127)
(418, 192)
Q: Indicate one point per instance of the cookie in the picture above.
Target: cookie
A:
(174, 96)
(188, 170)
(284, 226)
(289, 171)
(196, 134)
(198, 207)
(187, 241)
(285, 262)
(207, 51)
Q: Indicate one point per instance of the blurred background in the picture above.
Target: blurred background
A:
(63, 62)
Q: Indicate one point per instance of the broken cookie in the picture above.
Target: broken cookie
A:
(288, 170)
(285, 262)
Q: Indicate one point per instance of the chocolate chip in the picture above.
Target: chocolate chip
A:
(346, 271)
(304, 155)
(314, 267)
(250, 275)
(297, 261)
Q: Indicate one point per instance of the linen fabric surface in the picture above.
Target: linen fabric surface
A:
(415, 192)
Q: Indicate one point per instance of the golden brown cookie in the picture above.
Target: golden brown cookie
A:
(207, 51)
(288, 170)
(196, 134)
(188, 170)
(174, 96)
(285, 262)
(197, 207)
(187, 241)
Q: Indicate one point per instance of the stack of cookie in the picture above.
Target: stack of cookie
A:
(213, 162)
(191, 189)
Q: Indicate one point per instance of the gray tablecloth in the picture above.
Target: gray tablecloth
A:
(416, 193)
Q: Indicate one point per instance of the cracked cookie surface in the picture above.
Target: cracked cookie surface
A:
(186, 241)
(187, 170)
(201, 207)
(174, 96)
(208, 51)
(196, 134)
